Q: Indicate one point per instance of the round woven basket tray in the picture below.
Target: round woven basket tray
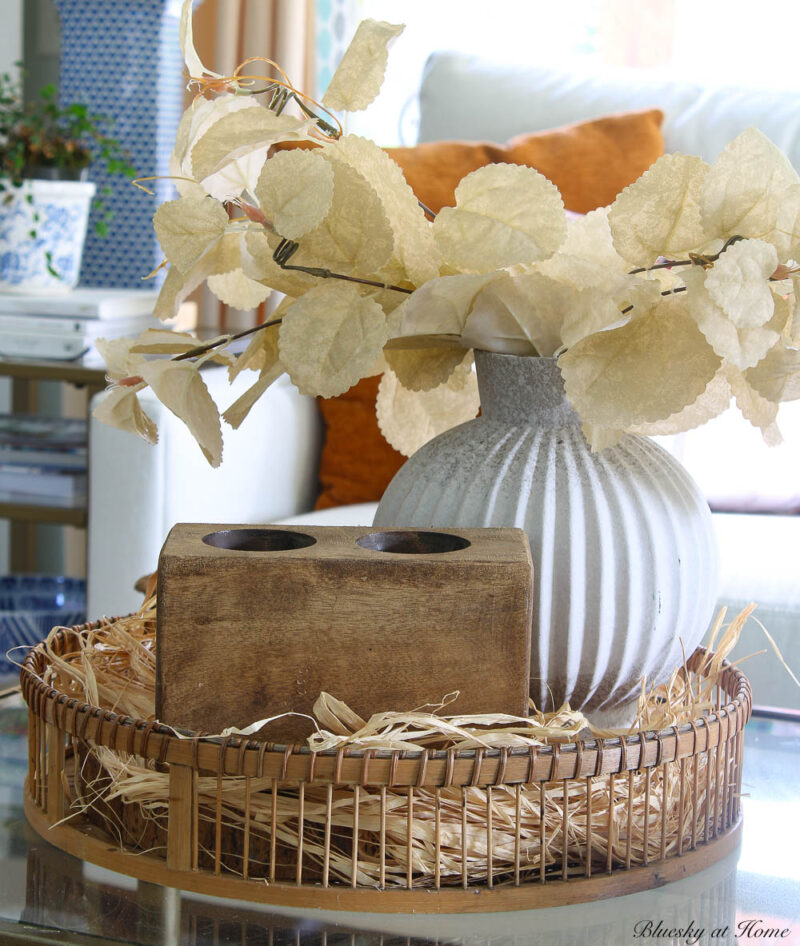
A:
(385, 831)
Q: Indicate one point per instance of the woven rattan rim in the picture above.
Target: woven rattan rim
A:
(237, 755)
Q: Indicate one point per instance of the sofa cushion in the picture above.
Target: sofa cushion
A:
(357, 463)
(589, 162)
(464, 95)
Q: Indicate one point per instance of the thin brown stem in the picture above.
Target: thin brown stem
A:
(287, 248)
(327, 274)
(669, 264)
(210, 346)
(666, 292)
(431, 214)
(695, 259)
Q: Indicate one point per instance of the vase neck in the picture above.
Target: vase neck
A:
(522, 389)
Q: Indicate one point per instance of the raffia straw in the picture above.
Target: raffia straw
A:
(113, 666)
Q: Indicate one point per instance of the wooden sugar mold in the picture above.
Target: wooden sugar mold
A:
(254, 622)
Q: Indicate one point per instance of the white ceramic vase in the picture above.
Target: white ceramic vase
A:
(624, 553)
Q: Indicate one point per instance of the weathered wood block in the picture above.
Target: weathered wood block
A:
(257, 621)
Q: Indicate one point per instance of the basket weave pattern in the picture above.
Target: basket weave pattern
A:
(392, 820)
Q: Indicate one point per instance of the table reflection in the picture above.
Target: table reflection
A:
(63, 892)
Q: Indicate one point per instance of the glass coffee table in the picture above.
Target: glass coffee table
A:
(47, 896)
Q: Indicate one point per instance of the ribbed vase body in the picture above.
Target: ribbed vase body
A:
(624, 553)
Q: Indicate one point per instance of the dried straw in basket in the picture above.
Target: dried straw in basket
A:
(113, 666)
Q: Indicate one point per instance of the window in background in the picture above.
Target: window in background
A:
(734, 42)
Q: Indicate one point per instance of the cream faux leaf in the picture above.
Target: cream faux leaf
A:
(710, 404)
(742, 346)
(241, 407)
(120, 408)
(600, 438)
(532, 313)
(659, 214)
(587, 258)
(585, 312)
(188, 227)
(120, 362)
(409, 419)
(422, 369)
(240, 133)
(330, 338)
(359, 75)
(505, 319)
(237, 290)
(415, 247)
(162, 341)
(504, 214)
(641, 372)
(760, 411)
(777, 376)
(753, 191)
(194, 65)
(295, 191)
(223, 256)
(440, 307)
(180, 387)
(355, 236)
(258, 264)
(262, 350)
(174, 290)
(235, 177)
(738, 282)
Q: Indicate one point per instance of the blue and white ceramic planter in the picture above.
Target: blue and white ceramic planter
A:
(38, 219)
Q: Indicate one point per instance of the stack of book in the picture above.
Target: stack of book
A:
(42, 459)
(66, 326)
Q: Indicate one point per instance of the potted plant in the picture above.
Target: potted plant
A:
(45, 152)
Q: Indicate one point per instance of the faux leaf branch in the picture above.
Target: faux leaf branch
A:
(661, 308)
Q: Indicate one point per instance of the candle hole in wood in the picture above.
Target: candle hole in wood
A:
(413, 543)
(258, 540)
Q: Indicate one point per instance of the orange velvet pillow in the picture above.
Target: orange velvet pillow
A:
(589, 162)
(357, 463)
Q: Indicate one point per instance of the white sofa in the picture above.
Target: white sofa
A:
(269, 473)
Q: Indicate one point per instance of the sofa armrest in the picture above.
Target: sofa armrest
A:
(137, 492)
